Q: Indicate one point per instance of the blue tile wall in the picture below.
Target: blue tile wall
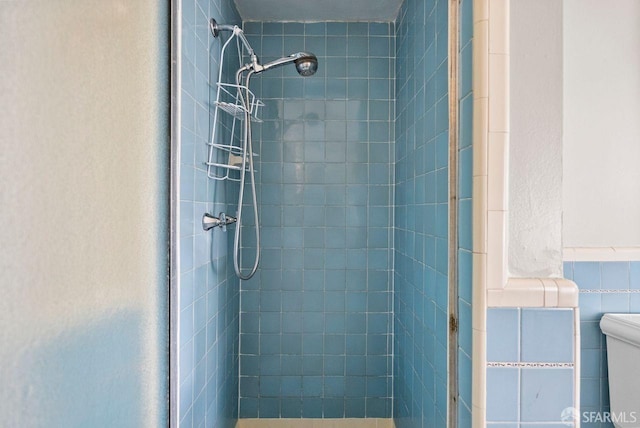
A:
(421, 215)
(316, 320)
(604, 287)
(530, 373)
(465, 221)
(209, 290)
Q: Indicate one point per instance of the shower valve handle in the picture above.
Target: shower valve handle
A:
(209, 221)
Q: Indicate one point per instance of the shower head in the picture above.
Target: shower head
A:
(306, 63)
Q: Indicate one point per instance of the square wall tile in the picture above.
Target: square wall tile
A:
(615, 275)
(503, 334)
(547, 335)
(634, 276)
(587, 275)
(502, 394)
(545, 393)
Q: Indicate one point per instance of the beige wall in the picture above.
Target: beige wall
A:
(84, 212)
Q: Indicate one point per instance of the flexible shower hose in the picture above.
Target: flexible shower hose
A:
(248, 153)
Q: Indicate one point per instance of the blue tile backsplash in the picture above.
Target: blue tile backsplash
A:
(209, 298)
(316, 320)
(604, 287)
(530, 365)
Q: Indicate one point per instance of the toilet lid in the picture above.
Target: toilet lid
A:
(625, 327)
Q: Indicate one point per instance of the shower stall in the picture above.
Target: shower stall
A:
(336, 286)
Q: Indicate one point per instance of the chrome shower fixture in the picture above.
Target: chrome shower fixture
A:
(306, 63)
(223, 220)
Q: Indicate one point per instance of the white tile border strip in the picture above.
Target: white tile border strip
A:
(530, 365)
(481, 119)
(610, 291)
(535, 293)
(601, 254)
(492, 286)
(491, 74)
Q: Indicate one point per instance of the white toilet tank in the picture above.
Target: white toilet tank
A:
(623, 355)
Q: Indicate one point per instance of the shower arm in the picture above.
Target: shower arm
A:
(237, 31)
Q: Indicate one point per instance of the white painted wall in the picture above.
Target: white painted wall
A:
(601, 123)
(535, 171)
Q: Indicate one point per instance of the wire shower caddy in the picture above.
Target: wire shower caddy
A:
(226, 157)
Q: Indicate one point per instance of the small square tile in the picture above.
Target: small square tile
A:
(615, 302)
(291, 408)
(333, 407)
(354, 408)
(545, 393)
(503, 334)
(248, 407)
(590, 306)
(315, 29)
(615, 275)
(591, 336)
(270, 386)
(312, 407)
(312, 386)
(378, 407)
(502, 394)
(587, 275)
(590, 392)
(634, 275)
(269, 407)
(547, 335)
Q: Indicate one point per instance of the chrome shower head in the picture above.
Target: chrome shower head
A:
(306, 63)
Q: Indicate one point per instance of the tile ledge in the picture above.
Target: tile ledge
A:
(535, 293)
(601, 254)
